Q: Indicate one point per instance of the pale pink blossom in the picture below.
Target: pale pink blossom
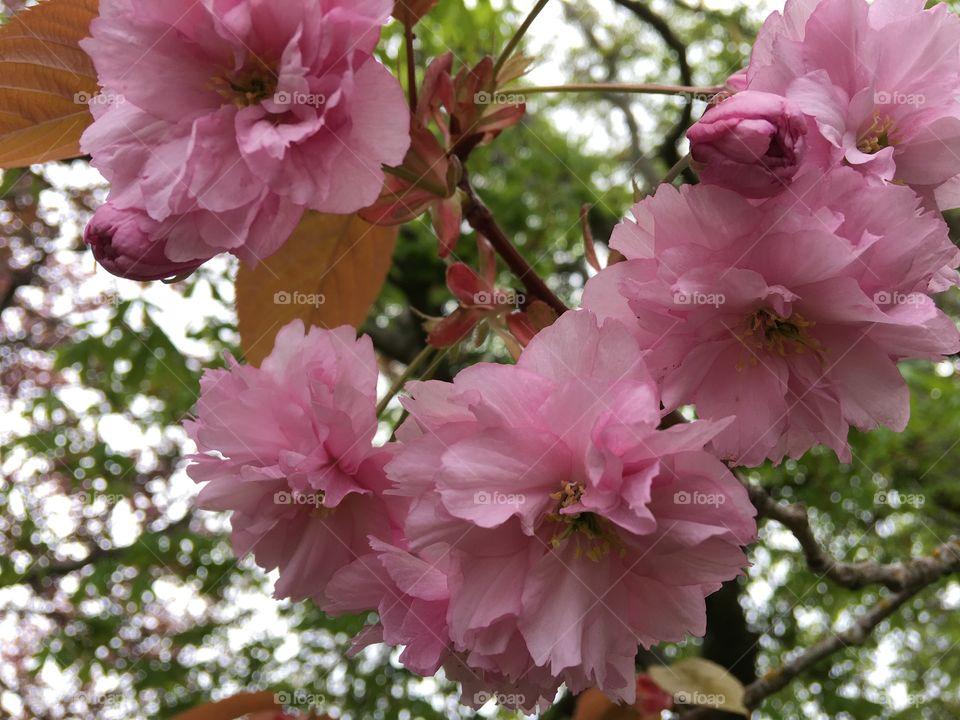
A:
(789, 315)
(880, 78)
(243, 110)
(411, 594)
(571, 529)
(287, 447)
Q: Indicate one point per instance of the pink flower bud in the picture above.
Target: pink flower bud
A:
(126, 243)
(752, 143)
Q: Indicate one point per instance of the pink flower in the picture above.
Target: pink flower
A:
(753, 143)
(790, 315)
(571, 529)
(126, 243)
(411, 594)
(887, 103)
(241, 108)
(287, 447)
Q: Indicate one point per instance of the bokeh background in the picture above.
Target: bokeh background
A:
(119, 600)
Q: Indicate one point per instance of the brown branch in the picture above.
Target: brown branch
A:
(905, 579)
(611, 60)
(897, 576)
(36, 576)
(668, 150)
(481, 219)
(411, 67)
(854, 636)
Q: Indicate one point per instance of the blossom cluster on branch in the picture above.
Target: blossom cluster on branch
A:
(533, 524)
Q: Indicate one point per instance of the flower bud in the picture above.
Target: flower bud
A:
(126, 243)
(752, 143)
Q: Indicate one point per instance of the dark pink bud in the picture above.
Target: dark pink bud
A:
(752, 143)
(126, 243)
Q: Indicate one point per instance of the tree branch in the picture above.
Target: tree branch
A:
(944, 559)
(481, 219)
(854, 636)
(668, 150)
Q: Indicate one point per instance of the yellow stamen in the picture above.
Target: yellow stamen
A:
(769, 332)
(592, 535)
(878, 136)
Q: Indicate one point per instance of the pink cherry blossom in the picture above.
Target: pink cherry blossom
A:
(881, 79)
(752, 142)
(789, 315)
(411, 594)
(571, 528)
(287, 448)
(246, 111)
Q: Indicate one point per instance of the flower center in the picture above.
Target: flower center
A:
(593, 535)
(250, 86)
(766, 330)
(878, 136)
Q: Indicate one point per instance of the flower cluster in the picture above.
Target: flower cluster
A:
(784, 289)
(237, 117)
(533, 524)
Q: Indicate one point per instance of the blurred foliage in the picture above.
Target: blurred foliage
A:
(119, 601)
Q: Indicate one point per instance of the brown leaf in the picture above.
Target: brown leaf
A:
(594, 705)
(328, 274)
(232, 708)
(47, 79)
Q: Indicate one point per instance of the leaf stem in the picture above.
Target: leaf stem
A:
(518, 36)
(631, 88)
(419, 181)
(674, 172)
(408, 373)
(411, 68)
(481, 219)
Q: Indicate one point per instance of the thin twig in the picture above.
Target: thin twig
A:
(481, 219)
(674, 172)
(411, 68)
(518, 36)
(896, 576)
(706, 92)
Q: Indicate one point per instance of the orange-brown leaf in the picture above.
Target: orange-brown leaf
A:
(327, 274)
(594, 705)
(232, 708)
(46, 79)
